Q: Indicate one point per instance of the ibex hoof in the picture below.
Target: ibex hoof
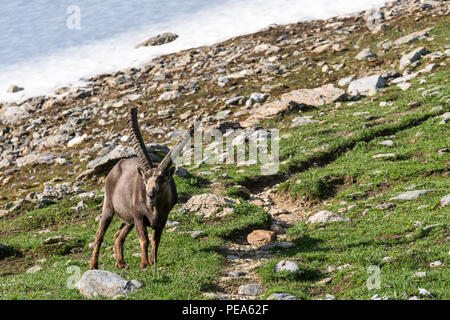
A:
(144, 266)
(122, 265)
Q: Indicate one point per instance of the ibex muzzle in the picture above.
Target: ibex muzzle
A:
(142, 194)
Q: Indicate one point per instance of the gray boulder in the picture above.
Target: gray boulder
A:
(106, 162)
(413, 36)
(159, 40)
(96, 283)
(411, 57)
(366, 86)
(13, 114)
(208, 204)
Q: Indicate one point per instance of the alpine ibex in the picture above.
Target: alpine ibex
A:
(142, 194)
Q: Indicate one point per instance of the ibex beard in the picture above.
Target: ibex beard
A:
(141, 193)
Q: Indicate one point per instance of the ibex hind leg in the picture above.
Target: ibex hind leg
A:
(105, 220)
(119, 239)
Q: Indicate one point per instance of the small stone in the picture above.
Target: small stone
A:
(445, 201)
(410, 195)
(384, 155)
(326, 217)
(424, 292)
(404, 86)
(35, 269)
(324, 281)
(261, 237)
(169, 95)
(436, 264)
(138, 284)
(77, 140)
(196, 234)
(329, 297)
(345, 81)
(286, 265)
(237, 274)
(419, 274)
(388, 143)
(252, 289)
(365, 54)
(281, 296)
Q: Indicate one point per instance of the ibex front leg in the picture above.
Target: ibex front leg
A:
(156, 237)
(143, 240)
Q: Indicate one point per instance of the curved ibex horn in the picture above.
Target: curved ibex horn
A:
(167, 161)
(137, 142)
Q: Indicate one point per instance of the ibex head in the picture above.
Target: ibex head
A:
(154, 179)
(154, 175)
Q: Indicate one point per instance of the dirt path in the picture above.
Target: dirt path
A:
(243, 259)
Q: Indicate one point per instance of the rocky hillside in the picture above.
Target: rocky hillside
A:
(362, 105)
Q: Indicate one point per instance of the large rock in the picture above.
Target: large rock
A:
(96, 283)
(326, 217)
(366, 86)
(158, 40)
(314, 97)
(36, 158)
(322, 48)
(413, 36)
(296, 98)
(208, 204)
(411, 57)
(106, 162)
(261, 237)
(410, 195)
(14, 113)
(58, 191)
(14, 88)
